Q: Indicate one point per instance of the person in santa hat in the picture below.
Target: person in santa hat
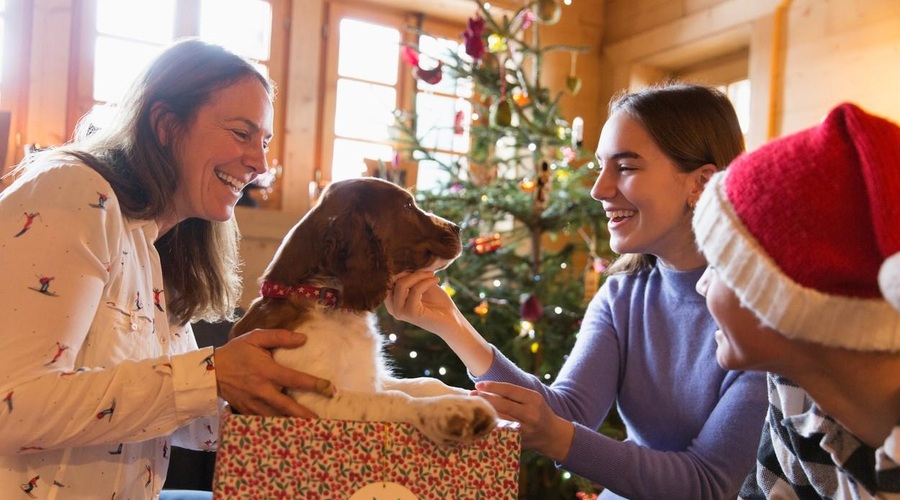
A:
(802, 237)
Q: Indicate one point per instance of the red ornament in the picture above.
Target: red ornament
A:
(486, 244)
(531, 309)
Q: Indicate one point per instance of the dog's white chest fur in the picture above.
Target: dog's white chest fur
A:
(341, 346)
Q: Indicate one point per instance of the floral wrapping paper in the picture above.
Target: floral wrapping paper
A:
(292, 458)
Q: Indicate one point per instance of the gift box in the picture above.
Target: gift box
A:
(292, 458)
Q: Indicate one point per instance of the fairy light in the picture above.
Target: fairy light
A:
(532, 146)
(475, 117)
(442, 370)
(498, 283)
(547, 376)
(413, 354)
(563, 265)
(558, 310)
(392, 337)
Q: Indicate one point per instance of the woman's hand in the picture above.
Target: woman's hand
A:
(252, 382)
(541, 429)
(416, 298)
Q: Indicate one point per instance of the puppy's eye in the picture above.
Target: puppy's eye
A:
(410, 205)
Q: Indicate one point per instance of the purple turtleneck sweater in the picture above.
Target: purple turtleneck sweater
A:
(647, 345)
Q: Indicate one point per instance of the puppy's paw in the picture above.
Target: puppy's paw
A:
(452, 420)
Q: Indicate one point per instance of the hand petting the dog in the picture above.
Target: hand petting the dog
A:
(251, 381)
(541, 429)
(416, 298)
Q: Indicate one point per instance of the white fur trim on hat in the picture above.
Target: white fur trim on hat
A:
(781, 303)
(889, 280)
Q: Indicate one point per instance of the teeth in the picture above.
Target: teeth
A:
(615, 214)
(234, 182)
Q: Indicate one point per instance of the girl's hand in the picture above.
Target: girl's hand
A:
(542, 430)
(416, 298)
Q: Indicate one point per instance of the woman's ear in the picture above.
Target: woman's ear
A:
(700, 176)
(159, 121)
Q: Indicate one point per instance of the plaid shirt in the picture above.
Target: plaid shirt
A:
(806, 454)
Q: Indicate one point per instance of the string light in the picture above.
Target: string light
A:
(413, 354)
(558, 310)
(535, 347)
(442, 370)
(392, 337)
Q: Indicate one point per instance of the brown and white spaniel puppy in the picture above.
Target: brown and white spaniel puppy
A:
(332, 270)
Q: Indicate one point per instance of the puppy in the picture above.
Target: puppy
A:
(331, 272)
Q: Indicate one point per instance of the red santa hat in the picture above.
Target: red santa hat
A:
(806, 231)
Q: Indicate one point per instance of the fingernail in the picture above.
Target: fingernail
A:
(324, 388)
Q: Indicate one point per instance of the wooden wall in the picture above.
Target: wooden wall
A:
(805, 56)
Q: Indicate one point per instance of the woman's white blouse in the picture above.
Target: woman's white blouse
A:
(94, 380)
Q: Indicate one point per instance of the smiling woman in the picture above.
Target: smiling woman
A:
(127, 236)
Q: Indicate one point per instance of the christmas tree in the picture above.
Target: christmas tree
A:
(536, 241)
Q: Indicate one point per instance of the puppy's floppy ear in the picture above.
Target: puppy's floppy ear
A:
(355, 255)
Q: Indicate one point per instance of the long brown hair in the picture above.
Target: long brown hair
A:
(199, 258)
(694, 125)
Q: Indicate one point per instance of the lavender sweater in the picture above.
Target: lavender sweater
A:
(647, 344)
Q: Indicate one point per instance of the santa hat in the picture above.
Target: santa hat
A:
(806, 231)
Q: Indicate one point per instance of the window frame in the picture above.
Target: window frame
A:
(187, 15)
(406, 86)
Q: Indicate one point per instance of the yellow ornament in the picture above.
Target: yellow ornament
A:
(448, 289)
(535, 347)
(496, 43)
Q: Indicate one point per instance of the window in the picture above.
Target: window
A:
(122, 36)
(367, 85)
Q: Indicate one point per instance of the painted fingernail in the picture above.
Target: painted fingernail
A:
(324, 387)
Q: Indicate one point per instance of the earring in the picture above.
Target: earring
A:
(692, 204)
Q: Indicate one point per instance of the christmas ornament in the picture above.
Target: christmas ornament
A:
(431, 76)
(573, 83)
(531, 309)
(496, 43)
(482, 308)
(528, 185)
(472, 36)
(449, 290)
(520, 98)
(486, 244)
(535, 347)
(501, 113)
(547, 11)
(458, 120)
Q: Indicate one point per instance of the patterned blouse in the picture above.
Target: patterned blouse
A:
(94, 380)
(806, 454)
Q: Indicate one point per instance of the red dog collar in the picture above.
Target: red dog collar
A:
(325, 296)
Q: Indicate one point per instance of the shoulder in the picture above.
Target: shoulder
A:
(62, 178)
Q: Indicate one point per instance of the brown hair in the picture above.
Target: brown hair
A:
(199, 258)
(694, 125)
